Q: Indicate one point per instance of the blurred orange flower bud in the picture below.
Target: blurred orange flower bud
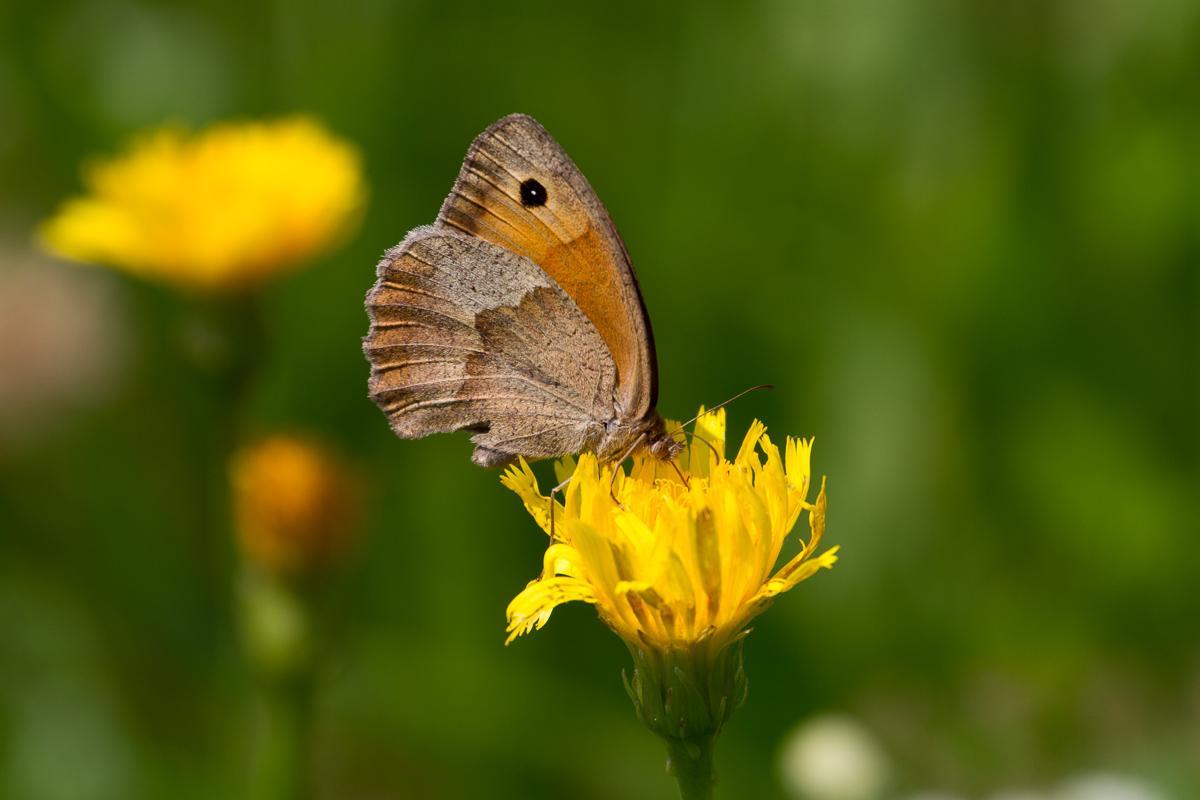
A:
(296, 505)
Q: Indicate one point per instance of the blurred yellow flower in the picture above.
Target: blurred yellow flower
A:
(222, 210)
(295, 505)
(675, 566)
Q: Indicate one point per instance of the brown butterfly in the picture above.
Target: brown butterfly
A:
(516, 314)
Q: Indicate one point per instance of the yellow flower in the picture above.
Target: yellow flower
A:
(295, 506)
(678, 564)
(221, 210)
(670, 565)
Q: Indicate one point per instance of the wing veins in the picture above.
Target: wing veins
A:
(408, 323)
(383, 368)
(450, 401)
(548, 242)
(495, 445)
(532, 382)
(372, 348)
(558, 240)
(475, 202)
(481, 225)
(402, 287)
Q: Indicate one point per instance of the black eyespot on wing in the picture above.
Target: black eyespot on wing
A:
(532, 193)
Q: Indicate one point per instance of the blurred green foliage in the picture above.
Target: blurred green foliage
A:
(960, 238)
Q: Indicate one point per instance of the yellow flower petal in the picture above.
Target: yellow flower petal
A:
(561, 559)
(520, 479)
(531, 609)
(797, 570)
(746, 454)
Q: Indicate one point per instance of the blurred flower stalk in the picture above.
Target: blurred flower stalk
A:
(296, 512)
(677, 569)
(218, 216)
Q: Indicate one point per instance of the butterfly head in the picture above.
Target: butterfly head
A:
(665, 448)
(661, 444)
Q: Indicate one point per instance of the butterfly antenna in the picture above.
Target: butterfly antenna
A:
(742, 393)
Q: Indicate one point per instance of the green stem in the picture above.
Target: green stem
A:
(690, 761)
(279, 629)
(222, 338)
(282, 768)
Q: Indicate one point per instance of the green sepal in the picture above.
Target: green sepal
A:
(686, 693)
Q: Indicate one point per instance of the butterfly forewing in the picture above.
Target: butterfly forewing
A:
(519, 190)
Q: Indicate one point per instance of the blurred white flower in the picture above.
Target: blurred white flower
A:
(61, 341)
(1019, 794)
(1107, 786)
(833, 757)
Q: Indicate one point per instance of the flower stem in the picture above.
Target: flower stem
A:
(282, 762)
(690, 761)
(279, 635)
(222, 339)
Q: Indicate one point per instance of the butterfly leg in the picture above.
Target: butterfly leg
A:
(682, 477)
(553, 492)
(616, 465)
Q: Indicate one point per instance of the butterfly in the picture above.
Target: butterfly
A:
(517, 315)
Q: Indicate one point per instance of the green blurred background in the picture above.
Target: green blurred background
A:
(960, 238)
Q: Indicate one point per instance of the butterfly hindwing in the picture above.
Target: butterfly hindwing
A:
(466, 334)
